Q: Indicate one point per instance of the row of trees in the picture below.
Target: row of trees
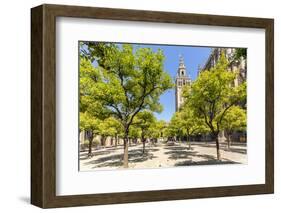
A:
(145, 127)
(212, 104)
(121, 85)
(120, 88)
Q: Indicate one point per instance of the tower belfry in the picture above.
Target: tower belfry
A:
(182, 79)
(181, 69)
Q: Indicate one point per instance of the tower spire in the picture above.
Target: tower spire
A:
(181, 69)
(181, 59)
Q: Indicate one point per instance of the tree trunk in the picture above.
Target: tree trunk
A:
(116, 142)
(189, 142)
(101, 141)
(90, 146)
(126, 155)
(188, 139)
(126, 152)
(153, 141)
(228, 141)
(143, 145)
(218, 148)
(79, 138)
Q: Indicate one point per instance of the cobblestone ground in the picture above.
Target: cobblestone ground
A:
(163, 155)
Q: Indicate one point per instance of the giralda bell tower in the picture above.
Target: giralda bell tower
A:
(182, 79)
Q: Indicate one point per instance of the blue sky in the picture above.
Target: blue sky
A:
(193, 56)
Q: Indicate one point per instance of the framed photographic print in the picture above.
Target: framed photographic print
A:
(136, 106)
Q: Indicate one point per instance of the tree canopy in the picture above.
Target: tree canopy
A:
(234, 120)
(125, 81)
(212, 94)
(144, 122)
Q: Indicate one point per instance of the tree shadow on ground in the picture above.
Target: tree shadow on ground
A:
(151, 149)
(175, 148)
(116, 157)
(184, 153)
(237, 150)
(179, 154)
(205, 157)
(241, 144)
(176, 154)
(84, 156)
(135, 156)
(209, 145)
(110, 148)
(109, 164)
(205, 162)
(222, 145)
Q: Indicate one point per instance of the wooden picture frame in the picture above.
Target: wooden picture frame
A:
(43, 105)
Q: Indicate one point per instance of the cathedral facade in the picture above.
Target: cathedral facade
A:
(235, 65)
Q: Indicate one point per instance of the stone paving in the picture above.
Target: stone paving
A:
(163, 155)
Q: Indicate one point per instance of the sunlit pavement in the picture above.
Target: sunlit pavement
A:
(163, 155)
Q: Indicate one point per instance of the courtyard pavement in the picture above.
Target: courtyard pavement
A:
(163, 155)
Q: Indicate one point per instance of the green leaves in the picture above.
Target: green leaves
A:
(89, 123)
(235, 119)
(144, 122)
(110, 127)
(176, 127)
(185, 122)
(213, 94)
(127, 81)
(119, 82)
